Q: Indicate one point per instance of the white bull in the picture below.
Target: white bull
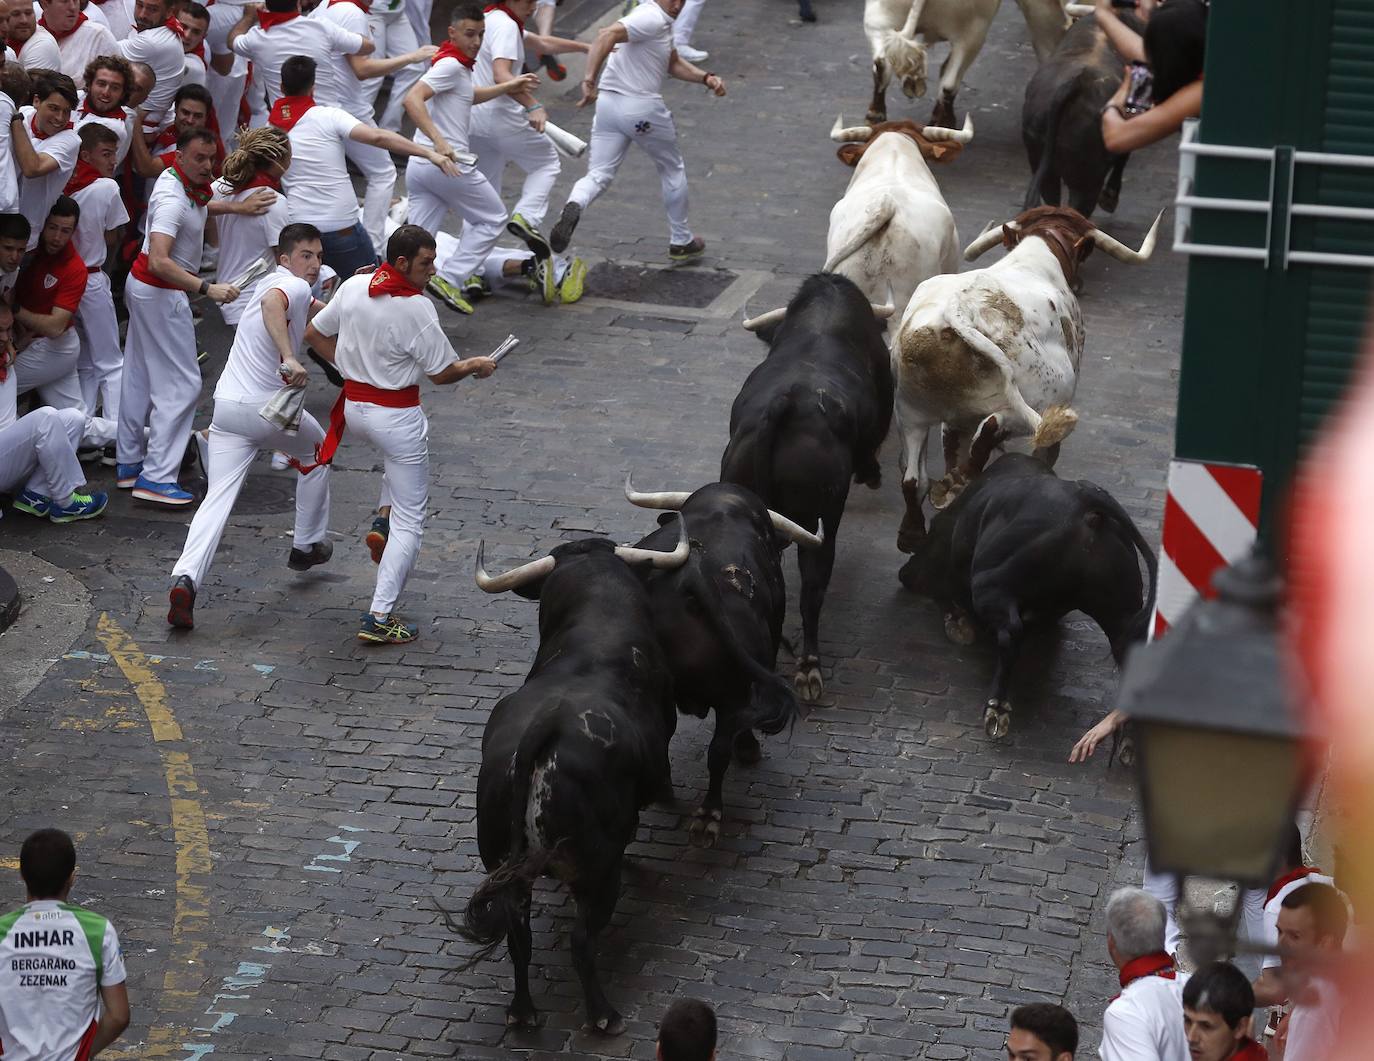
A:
(892, 229)
(892, 28)
(993, 354)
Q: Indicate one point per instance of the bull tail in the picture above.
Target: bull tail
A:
(877, 220)
(773, 705)
(1139, 626)
(763, 446)
(1062, 95)
(1056, 424)
(902, 52)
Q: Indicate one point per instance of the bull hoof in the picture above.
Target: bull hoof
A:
(911, 536)
(705, 828)
(522, 1016)
(943, 492)
(943, 115)
(997, 719)
(747, 750)
(610, 1024)
(1125, 752)
(809, 684)
(875, 117)
(960, 629)
(1109, 198)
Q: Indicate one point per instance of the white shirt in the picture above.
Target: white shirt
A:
(317, 186)
(54, 958)
(390, 341)
(117, 14)
(243, 240)
(1145, 1022)
(318, 38)
(638, 67)
(37, 194)
(503, 40)
(82, 45)
(40, 52)
(450, 107)
(102, 211)
(172, 213)
(160, 48)
(251, 373)
(9, 169)
(195, 72)
(121, 128)
(1313, 1028)
(344, 90)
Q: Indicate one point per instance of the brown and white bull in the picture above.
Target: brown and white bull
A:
(993, 354)
(892, 229)
(893, 27)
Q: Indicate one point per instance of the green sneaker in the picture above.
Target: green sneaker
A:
(574, 283)
(546, 280)
(685, 252)
(449, 295)
(35, 504)
(389, 631)
(522, 230)
(475, 287)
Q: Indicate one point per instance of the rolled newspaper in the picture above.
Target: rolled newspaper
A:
(283, 410)
(567, 145)
(508, 344)
(254, 272)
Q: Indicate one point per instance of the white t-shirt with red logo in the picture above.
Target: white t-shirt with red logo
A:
(54, 958)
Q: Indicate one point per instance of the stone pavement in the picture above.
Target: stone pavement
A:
(270, 812)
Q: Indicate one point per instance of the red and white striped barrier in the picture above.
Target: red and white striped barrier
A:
(1211, 519)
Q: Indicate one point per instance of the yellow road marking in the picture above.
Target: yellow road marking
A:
(185, 972)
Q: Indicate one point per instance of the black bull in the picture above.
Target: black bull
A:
(809, 418)
(719, 618)
(1022, 545)
(568, 761)
(1061, 123)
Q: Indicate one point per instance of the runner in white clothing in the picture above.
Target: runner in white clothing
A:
(33, 46)
(247, 240)
(383, 336)
(45, 147)
(281, 33)
(62, 978)
(156, 41)
(263, 357)
(1145, 1021)
(398, 54)
(79, 38)
(109, 99)
(637, 53)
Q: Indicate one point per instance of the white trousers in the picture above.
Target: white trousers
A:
(237, 433)
(38, 453)
(101, 361)
(380, 173)
(496, 142)
(49, 367)
(161, 381)
(226, 90)
(686, 22)
(624, 120)
(402, 436)
(394, 35)
(418, 15)
(1164, 887)
(433, 193)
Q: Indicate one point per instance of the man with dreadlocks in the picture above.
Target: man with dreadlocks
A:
(245, 240)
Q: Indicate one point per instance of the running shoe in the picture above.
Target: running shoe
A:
(35, 504)
(389, 631)
(89, 453)
(546, 280)
(81, 506)
(563, 231)
(476, 286)
(108, 458)
(685, 252)
(522, 230)
(692, 55)
(162, 493)
(376, 538)
(305, 559)
(449, 295)
(574, 283)
(181, 603)
(556, 70)
(127, 474)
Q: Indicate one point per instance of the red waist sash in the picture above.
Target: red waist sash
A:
(141, 270)
(353, 391)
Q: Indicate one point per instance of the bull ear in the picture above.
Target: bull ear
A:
(666, 517)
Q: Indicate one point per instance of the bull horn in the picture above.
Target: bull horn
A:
(795, 531)
(1123, 253)
(1078, 10)
(853, 134)
(526, 573)
(670, 500)
(676, 558)
(990, 237)
(766, 320)
(957, 136)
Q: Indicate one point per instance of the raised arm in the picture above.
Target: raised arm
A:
(365, 67)
(1125, 40)
(32, 162)
(400, 145)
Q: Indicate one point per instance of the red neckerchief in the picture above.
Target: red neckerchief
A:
(200, 194)
(447, 50)
(387, 281)
(176, 27)
(288, 110)
(199, 52)
(33, 128)
(263, 180)
(16, 46)
(362, 5)
(86, 108)
(1287, 879)
(61, 36)
(82, 177)
(268, 19)
(1157, 964)
(1249, 1050)
(519, 22)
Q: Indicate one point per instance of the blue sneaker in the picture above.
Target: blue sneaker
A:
(389, 631)
(162, 493)
(127, 474)
(34, 504)
(83, 506)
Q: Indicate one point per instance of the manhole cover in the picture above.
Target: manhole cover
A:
(265, 494)
(692, 288)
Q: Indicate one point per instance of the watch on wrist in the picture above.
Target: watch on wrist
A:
(204, 287)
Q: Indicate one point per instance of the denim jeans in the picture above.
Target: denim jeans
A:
(348, 250)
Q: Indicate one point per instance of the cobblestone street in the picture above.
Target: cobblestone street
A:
(271, 813)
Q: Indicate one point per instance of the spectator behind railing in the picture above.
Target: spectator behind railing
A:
(1163, 86)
